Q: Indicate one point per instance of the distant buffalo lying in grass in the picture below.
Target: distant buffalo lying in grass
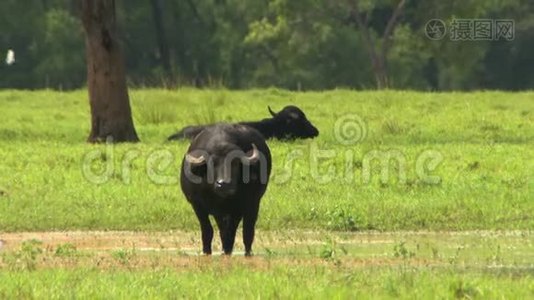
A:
(289, 123)
(225, 173)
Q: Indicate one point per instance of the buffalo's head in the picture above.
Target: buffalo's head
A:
(225, 168)
(294, 123)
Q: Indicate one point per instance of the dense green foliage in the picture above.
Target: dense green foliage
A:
(304, 44)
(485, 142)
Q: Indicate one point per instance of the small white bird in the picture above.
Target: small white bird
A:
(10, 58)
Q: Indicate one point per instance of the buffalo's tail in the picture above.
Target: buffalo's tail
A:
(177, 136)
(188, 132)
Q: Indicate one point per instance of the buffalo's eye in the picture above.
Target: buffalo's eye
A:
(199, 170)
(294, 115)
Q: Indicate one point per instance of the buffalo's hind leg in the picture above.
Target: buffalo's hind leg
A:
(227, 228)
(205, 227)
(249, 222)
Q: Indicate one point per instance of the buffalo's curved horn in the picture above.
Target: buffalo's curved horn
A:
(195, 160)
(271, 111)
(254, 157)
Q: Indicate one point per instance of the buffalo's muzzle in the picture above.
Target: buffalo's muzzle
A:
(223, 188)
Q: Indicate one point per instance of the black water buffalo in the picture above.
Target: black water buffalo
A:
(289, 123)
(225, 173)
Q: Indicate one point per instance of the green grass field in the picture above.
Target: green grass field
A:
(454, 162)
(292, 265)
(485, 141)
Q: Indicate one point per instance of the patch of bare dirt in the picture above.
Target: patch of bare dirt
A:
(103, 240)
(190, 240)
(180, 249)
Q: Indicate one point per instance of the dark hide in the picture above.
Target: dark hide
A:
(224, 174)
(290, 123)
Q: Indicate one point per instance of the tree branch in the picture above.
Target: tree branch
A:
(392, 23)
(368, 40)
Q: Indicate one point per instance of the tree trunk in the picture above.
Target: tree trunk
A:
(378, 56)
(111, 116)
(381, 72)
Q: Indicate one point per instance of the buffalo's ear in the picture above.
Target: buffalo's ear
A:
(271, 111)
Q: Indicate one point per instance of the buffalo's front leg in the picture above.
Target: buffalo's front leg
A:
(206, 228)
(227, 227)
